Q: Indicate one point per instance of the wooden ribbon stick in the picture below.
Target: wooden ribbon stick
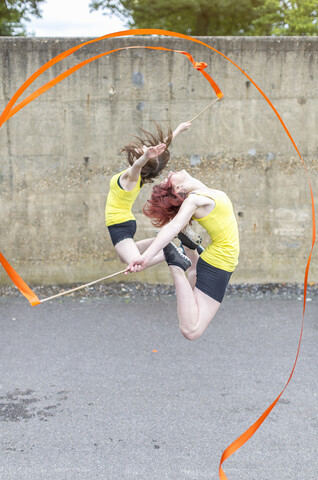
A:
(81, 286)
(206, 108)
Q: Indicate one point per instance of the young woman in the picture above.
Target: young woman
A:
(173, 203)
(147, 158)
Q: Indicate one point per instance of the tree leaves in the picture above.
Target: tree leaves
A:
(13, 12)
(218, 17)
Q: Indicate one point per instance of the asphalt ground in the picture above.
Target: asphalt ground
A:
(108, 388)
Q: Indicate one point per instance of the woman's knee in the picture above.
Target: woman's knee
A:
(191, 334)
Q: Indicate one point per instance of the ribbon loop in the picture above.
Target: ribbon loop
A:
(200, 65)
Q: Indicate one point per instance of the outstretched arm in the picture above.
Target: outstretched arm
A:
(180, 128)
(166, 234)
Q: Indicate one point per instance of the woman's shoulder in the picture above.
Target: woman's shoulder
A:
(208, 193)
(200, 198)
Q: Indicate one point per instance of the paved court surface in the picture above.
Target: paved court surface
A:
(84, 396)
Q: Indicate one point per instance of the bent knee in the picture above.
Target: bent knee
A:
(191, 334)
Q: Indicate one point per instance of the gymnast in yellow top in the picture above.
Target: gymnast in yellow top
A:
(147, 158)
(177, 200)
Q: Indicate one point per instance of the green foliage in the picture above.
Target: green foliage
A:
(217, 17)
(301, 18)
(13, 12)
(287, 18)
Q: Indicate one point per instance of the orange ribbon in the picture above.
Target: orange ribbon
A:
(19, 283)
(10, 111)
(200, 65)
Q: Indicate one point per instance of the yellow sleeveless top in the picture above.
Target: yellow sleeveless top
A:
(221, 226)
(119, 202)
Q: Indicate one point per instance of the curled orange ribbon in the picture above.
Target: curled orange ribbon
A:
(10, 111)
(200, 65)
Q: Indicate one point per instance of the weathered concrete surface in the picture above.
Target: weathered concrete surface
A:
(58, 153)
(84, 397)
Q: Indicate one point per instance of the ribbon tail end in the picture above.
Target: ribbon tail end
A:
(35, 301)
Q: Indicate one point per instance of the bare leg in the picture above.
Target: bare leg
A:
(192, 271)
(142, 245)
(195, 308)
(127, 250)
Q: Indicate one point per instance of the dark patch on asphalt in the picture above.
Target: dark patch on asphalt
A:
(155, 444)
(22, 405)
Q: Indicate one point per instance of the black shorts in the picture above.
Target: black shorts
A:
(121, 231)
(211, 280)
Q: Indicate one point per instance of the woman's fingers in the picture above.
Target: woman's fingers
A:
(160, 147)
(157, 150)
(135, 266)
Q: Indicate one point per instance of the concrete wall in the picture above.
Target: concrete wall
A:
(58, 153)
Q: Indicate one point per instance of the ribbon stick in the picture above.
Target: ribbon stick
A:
(81, 286)
(206, 108)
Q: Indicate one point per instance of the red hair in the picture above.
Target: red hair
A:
(164, 204)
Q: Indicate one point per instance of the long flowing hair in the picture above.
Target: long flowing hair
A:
(164, 203)
(154, 166)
